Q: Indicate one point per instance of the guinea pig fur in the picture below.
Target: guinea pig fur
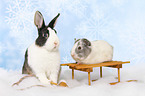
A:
(91, 52)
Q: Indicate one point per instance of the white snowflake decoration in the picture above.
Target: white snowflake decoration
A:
(96, 26)
(134, 41)
(52, 7)
(20, 19)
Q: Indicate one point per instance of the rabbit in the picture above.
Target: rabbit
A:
(42, 58)
(91, 52)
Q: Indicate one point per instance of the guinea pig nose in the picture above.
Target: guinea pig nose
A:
(72, 55)
(79, 48)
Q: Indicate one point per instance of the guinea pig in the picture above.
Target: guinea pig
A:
(91, 52)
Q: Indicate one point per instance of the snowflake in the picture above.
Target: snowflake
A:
(78, 7)
(20, 19)
(134, 41)
(52, 7)
(97, 26)
(118, 3)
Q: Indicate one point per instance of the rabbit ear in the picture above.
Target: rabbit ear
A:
(53, 22)
(38, 20)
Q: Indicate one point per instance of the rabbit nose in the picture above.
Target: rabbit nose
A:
(55, 43)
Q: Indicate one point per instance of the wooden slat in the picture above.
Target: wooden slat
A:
(68, 64)
(88, 67)
(83, 69)
(115, 66)
(101, 64)
(109, 64)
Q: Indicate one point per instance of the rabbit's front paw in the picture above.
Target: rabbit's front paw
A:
(47, 82)
(43, 79)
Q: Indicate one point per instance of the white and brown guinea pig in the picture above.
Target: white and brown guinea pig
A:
(42, 58)
(91, 52)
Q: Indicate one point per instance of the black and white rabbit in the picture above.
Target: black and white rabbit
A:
(91, 52)
(42, 58)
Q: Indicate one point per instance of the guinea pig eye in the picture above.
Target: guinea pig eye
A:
(79, 48)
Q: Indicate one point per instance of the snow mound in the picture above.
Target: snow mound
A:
(78, 86)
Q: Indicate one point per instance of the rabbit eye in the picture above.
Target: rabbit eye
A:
(45, 35)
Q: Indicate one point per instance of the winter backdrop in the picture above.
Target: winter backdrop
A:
(119, 22)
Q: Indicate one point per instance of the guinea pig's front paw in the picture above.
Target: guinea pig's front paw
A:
(78, 63)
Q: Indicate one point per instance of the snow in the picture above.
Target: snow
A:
(79, 86)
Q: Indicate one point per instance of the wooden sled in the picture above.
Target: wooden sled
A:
(89, 68)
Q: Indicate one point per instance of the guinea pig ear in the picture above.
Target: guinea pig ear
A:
(38, 20)
(76, 40)
(87, 42)
(53, 22)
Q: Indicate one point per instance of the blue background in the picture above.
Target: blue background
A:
(119, 22)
